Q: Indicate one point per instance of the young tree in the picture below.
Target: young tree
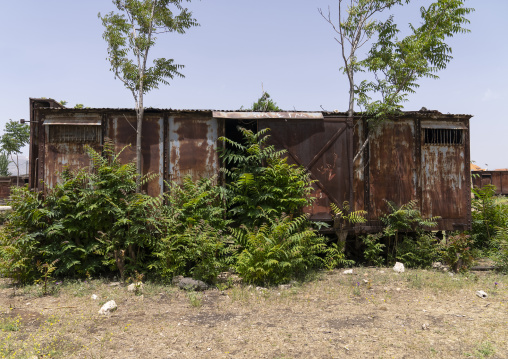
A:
(265, 103)
(4, 164)
(397, 64)
(16, 135)
(130, 35)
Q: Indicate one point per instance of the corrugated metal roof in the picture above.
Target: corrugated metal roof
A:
(427, 114)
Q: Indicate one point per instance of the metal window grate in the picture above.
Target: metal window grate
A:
(443, 136)
(73, 133)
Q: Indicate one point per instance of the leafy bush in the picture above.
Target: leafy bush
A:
(373, 249)
(193, 227)
(402, 219)
(261, 184)
(458, 252)
(196, 250)
(93, 221)
(500, 243)
(488, 214)
(419, 253)
(278, 250)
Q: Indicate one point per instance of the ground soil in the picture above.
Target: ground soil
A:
(372, 313)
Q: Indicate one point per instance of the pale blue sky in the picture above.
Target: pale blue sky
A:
(54, 48)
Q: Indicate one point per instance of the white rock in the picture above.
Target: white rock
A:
(108, 307)
(348, 271)
(398, 267)
(94, 297)
(132, 286)
(481, 294)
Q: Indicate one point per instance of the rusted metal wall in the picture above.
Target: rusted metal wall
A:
(65, 141)
(403, 161)
(6, 182)
(496, 178)
(322, 147)
(445, 177)
(400, 164)
(392, 164)
(120, 128)
(192, 147)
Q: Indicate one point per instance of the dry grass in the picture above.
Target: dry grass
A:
(374, 313)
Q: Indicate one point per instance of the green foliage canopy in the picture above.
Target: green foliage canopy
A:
(16, 135)
(131, 34)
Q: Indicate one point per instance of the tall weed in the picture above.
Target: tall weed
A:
(279, 250)
(261, 185)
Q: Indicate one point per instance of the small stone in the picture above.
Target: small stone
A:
(108, 308)
(365, 281)
(192, 284)
(133, 287)
(94, 297)
(348, 271)
(398, 267)
(397, 289)
(114, 284)
(285, 286)
(176, 280)
(425, 326)
(481, 294)
(381, 271)
(261, 289)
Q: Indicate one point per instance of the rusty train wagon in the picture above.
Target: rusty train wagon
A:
(498, 178)
(418, 155)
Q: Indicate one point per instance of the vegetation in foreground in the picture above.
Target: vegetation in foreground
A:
(95, 223)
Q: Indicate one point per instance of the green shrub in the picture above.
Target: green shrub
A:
(403, 219)
(193, 229)
(419, 253)
(197, 250)
(92, 222)
(279, 250)
(500, 253)
(458, 252)
(261, 185)
(373, 249)
(488, 214)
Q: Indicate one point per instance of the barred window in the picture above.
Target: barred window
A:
(73, 133)
(443, 136)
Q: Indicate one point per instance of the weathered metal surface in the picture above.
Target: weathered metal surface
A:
(93, 121)
(192, 146)
(404, 161)
(422, 156)
(321, 147)
(259, 115)
(392, 165)
(121, 130)
(64, 145)
(444, 182)
(497, 178)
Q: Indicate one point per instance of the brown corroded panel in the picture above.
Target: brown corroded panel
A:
(121, 129)
(444, 182)
(152, 151)
(392, 166)
(64, 145)
(192, 146)
(321, 146)
(61, 156)
(497, 178)
(360, 167)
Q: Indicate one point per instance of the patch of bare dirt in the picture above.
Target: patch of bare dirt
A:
(374, 313)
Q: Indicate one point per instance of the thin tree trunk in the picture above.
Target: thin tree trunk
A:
(139, 127)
